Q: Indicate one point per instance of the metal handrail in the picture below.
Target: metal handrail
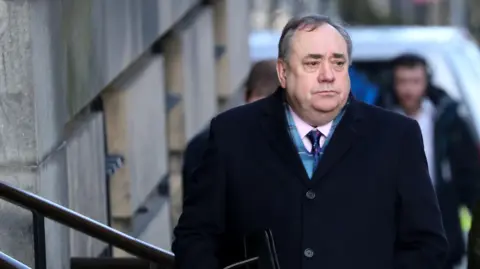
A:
(7, 262)
(86, 225)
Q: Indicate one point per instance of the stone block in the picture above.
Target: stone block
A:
(171, 12)
(87, 190)
(17, 126)
(200, 96)
(93, 42)
(232, 30)
(16, 229)
(180, 8)
(136, 129)
(16, 223)
(56, 57)
(46, 75)
(31, 153)
(191, 74)
(51, 183)
(175, 84)
(158, 232)
(80, 46)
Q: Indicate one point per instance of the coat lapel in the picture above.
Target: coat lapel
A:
(276, 131)
(344, 137)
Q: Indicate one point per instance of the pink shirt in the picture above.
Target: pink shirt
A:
(304, 128)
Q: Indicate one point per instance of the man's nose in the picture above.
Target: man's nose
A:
(326, 73)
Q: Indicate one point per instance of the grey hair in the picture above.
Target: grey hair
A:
(309, 23)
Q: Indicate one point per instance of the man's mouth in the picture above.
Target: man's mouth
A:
(325, 92)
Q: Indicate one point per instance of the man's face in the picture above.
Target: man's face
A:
(316, 72)
(410, 85)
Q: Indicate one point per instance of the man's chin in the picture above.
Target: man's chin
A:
(326, 106)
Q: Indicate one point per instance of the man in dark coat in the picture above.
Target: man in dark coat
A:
(341, 184)
(449, 143)
(261, 82)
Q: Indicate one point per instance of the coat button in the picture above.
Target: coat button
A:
(308, 253)
(310, 195)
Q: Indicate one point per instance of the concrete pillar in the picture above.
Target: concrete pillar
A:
(32, 155)
(158, 231)
(458, 13)
(86, 175)
(34, 148)
(57, 56)
(101, 39)
(190, 76)
(136, 129)
(232, 29)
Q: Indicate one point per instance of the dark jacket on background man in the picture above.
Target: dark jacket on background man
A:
(262, 81)
(457, 164)
(353, 213)
(193, 156)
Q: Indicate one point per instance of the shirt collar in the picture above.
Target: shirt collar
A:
(304, 128)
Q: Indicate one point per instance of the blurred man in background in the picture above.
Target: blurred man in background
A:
(450, 148)
(261, 82)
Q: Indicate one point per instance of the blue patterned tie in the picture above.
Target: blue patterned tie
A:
(314, 137)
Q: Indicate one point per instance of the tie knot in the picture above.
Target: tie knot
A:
(314, 137)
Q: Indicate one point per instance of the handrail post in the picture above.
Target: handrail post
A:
(41, 207)
(39, 245)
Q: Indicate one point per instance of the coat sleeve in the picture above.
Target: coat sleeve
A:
(421, 241)
(465, 163)
(193, 156)
(202, 222)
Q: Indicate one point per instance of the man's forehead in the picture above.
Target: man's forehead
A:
(323, 39)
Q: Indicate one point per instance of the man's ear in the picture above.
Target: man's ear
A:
(282, 73)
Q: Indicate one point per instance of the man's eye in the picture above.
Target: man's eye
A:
(339, 63)
(311, 64)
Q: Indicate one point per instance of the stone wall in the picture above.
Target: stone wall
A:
(136, 129)
(87, 190)
(60, 56)
(57, 56)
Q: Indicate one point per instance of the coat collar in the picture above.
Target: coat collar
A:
(275, 127)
